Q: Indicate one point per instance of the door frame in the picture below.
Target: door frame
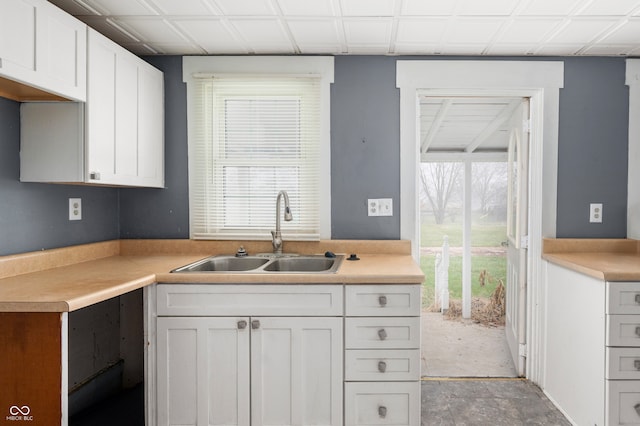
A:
(541, 82)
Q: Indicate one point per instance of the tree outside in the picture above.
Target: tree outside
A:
(441, 210)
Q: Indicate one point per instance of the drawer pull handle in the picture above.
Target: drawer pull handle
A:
(637, 299)
(242, 325)
(637, 408)
(255, 324)
(382, 334)
(382, 366)
(636, 364)
(383, 300)
(637, 330)
(382, 411)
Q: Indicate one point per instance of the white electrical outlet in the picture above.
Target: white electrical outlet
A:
(595, 212)
(372, 207)
(385, 207)
(75, 208)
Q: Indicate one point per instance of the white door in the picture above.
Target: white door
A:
(203, 371)
(296, 371)
(517, 229)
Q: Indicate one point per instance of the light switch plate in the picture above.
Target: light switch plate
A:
(385, 207)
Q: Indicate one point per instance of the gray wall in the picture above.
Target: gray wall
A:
(35, 216)
(365, 142)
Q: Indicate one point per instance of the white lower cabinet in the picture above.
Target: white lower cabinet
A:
(263, 354)
(249, 370)
(382, 355)
(593, 349)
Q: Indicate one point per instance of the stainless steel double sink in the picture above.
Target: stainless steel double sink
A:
(265, 264)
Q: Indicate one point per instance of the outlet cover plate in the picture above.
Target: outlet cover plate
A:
(75, 209)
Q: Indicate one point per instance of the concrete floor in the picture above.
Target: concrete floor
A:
(452, 348)
(486, 402)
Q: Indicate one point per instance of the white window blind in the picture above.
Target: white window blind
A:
(254, 136)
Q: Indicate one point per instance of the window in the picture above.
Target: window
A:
(250, 136)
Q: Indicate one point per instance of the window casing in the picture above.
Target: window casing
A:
(250, 136)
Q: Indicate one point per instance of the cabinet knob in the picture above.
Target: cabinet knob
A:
(638, 331)
(636, 364)
(255, 324)
(94, 175)
(242, 325)
(637, 298)
(637, 408)
(382, 334)
(382, 411)
(382, 366)
(382, 300)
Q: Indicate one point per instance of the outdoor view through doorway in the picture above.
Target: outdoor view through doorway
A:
(466, 189)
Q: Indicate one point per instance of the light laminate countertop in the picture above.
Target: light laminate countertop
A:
(606, 259)
(68, 279)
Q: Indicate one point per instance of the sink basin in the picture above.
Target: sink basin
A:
(302, 264)
(265, 264)
(224, 264)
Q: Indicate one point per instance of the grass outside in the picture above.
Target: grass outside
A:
(483, 234)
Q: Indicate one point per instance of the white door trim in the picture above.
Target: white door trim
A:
(539, 80)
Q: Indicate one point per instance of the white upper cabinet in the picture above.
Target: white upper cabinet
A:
(42, 52)
(116, 138)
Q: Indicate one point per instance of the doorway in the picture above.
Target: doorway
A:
(466, 145)
(538, 80)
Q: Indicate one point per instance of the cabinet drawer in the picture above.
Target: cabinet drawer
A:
(623, 330)
(255, 300)
(385, 403)
(623, 402)
(382, 333)
(623, 297)
(382, 365)
(382, 300)
(623, 363)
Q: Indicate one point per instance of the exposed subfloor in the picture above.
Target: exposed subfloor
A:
(490, 402)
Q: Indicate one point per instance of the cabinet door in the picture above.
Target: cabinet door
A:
(18, 39)
(203, 371)
(100, 109)
(296, 371)
(126, 118)
(150, 126)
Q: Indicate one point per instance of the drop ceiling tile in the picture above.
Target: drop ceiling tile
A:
(610, 8)
(72, 7)
(120, 7)
(551, 7)
(211, 35)
(182, 7)
(314, 31)
(101, 25)
(263, 35)
(177, 49)
(486, 7)
(559, 49)
(246, 7)
(528, 30)
(472, 30)
(608, 50)
(428, 8)
(581, 31)
(151, 30)
(628, 33)
(368, 31)
(415, 49)
(420, 30)
(510, 49)
(307, 7)
(367, 7)
(462, 49)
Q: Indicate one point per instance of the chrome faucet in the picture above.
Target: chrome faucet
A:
(276, 235)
